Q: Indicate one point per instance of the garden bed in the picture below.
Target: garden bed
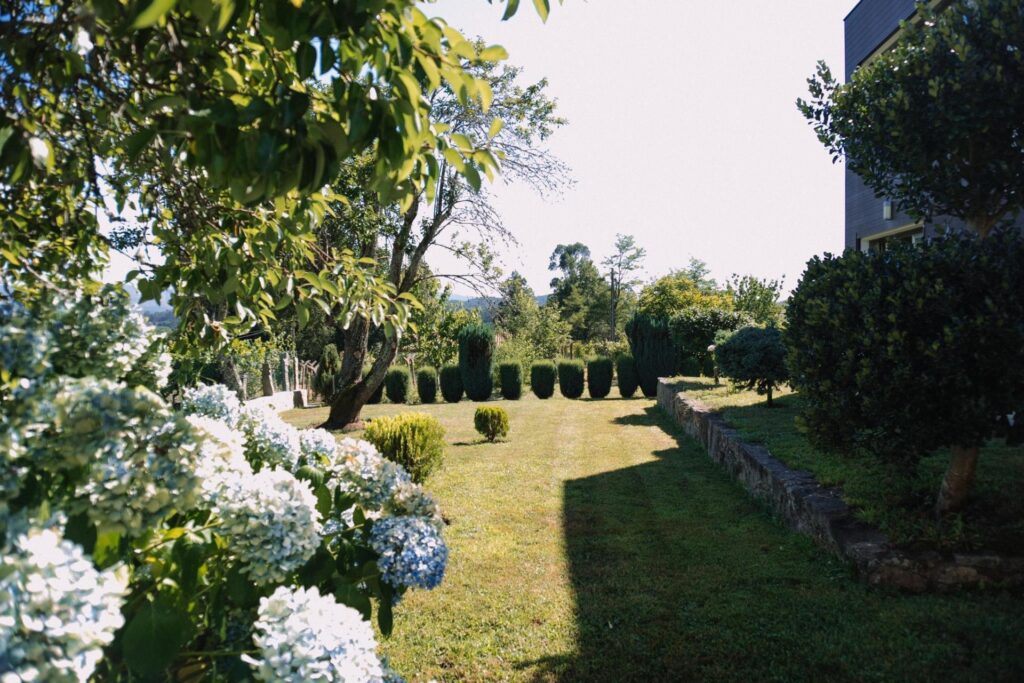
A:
(898, 506)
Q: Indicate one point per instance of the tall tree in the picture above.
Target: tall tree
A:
(757, 297)
(936, 122)
(620, 266)
(580, 293)
(679, 290)
(517, 306)
(455, 214)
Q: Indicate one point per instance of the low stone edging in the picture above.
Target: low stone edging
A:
(278, 402)
(819, 511)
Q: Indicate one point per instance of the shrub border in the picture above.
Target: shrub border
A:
(819, 511)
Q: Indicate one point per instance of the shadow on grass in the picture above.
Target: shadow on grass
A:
(678, 575)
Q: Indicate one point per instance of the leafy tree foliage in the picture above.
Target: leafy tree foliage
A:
(580, 293)
(654, 354)
(679, 290)
(529, 332)
(936, 122)
(327, 370)
(907, 351)
(757, 298)
(476, 360)
(754, 358)
(619, 269)
(693, 330)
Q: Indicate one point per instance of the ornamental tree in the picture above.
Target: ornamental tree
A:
(937, 122)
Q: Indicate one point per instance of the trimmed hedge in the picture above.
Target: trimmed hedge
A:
(599, 377)
(570, 378)
(396, 384)
(451, 383)
(625, 370)
(542, 379)
(476, 356)
(426, 384)
(754, 358)
(653, 351)
(511, 375)
(491, 422)
(413, 440)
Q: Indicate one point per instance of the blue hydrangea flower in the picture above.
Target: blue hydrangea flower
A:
(269, 440)
(213, 400)
(317, 446)
(411, 552)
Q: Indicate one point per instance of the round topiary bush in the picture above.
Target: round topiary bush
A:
(599, 377)
(476, 355)
(426, 384)
(755, 358)
(542, 378)
(413, 440)
(570, 378)
(451, 383)
(511, 375)
(625, 370)
(396, 384)
(491, 422)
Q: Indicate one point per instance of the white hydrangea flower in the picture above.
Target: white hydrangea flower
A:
(378, 485)
(317, 445)
(57, 612)
(304, 636)
(213, 400)
(222, 466)
(140, 458)
(269, 440)
(411, 552)
(272, 523)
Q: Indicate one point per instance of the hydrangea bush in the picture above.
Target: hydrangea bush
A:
(214, 541)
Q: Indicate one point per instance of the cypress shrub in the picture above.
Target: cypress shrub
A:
(326, 372)
(476, 355)
(491, 422)
(413, 440)
(451, 383)
(396, 384)
(654, 354)
(599, 377)
(426, 384)
(511, 380)
(570, 378)
(542, 379)
(625, 370)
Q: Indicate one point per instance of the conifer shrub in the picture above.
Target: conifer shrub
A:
(476, 356)
(451, 383)
(570, 378)
(396, 384)
(542, 378)
(511, 375)
(326, 372)
(491, 422)
(599, 377)
(625, 370)
(426, 384)
(653, 351)
(413, 440)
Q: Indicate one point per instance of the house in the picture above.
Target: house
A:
(871, 28)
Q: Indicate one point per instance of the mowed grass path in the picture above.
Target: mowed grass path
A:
(599, 544)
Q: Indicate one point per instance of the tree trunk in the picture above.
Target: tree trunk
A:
(348, 404)
(769, 396)
(956, 485)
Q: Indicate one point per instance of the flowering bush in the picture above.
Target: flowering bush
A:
(207, 540)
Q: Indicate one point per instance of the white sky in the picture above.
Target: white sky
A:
(682, 130)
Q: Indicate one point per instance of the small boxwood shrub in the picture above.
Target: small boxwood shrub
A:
(491, 422)
(451, 383)
(754, 358)
(426, 384)
(413, 440)
(625, 370)
(511, 375)
(542, 379)
(599, 377)
(476, 356)
(570, 378)
(396, 384)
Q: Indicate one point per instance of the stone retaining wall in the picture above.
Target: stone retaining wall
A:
(818, 511)
(278, 402)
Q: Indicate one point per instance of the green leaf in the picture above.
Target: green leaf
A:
(385, 618)
(154, 636)
(494, 53)
(105, 552)
(510, 10)
(496, 126)
(543, 7)
(153, 13)
(305, 60)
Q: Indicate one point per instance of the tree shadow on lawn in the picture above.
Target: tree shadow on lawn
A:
(678, 575)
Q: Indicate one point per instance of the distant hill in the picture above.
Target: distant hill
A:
(484, 304)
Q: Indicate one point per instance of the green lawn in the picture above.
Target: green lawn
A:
(901, 506)
(598, 544)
